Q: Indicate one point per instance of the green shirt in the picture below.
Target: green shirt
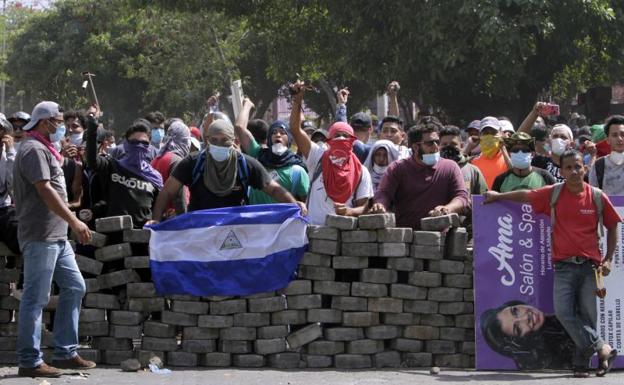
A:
(513, 182)
(283, 176)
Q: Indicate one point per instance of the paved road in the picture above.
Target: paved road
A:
(300, 377)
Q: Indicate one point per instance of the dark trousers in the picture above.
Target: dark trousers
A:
(8, 228)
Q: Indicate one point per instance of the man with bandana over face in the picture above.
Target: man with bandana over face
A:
(423, 185)
(284, 166)
(132, 184)
(219, 176)
(493, 160)
(339, 183)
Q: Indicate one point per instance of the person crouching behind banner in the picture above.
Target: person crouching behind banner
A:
(219, 176)
(525, 334)
(575, 254)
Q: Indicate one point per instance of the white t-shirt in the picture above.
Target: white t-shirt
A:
(612, 180)
(319, 204)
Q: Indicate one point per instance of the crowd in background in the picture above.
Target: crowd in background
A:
(61, 170)
(162, 167)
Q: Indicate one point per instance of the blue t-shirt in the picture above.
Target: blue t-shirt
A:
(361, 150)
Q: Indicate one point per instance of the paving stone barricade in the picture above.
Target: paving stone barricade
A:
(367, 294)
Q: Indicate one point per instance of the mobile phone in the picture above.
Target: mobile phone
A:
(549, 109)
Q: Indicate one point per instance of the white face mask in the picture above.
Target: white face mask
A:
(279, 149)
(558, 146)
(322, 144)
(76, 139)
(379, 169)
(219, 153)
(16, 146)
(617, 157)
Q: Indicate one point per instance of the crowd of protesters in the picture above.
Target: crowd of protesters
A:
(60, 169)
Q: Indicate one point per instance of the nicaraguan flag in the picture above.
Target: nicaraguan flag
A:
(228, 251)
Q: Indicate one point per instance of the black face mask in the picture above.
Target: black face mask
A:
(451, 153)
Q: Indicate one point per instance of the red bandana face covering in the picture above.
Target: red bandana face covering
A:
(46, 143)
(341, 168)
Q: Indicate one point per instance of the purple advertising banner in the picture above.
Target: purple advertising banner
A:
(514, 314)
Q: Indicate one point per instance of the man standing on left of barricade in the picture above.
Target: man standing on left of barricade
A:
(43, 216)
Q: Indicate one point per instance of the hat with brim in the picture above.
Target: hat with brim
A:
(361, 120)
(42, 111)
(322, 132)
(521, 138)
(489, 121)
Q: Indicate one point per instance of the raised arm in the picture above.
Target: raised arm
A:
(94, 162)
(393, 100)
(304, 143)
(527, 123)
(244, 136)
(341, 105)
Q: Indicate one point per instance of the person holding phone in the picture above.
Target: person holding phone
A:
(560, 139)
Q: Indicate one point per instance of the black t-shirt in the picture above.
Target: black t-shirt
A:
(69, 170)
(127, 193)
(202, 198)
(547, 164)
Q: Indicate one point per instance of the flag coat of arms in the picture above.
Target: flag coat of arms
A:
(239, 250)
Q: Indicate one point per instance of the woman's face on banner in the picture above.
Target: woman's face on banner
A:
(520, 320)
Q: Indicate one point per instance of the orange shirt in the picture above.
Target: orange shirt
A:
(491, 168)
(575, 233)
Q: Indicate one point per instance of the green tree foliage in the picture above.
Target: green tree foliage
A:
(467, 58)
(471, 57)
(144, 59)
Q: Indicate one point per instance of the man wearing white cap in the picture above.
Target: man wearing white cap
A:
(43, 216)
(507, 128)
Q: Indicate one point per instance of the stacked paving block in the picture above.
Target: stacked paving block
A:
(9, 305)
(366, 295)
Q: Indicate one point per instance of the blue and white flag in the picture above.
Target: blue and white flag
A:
(228, 251)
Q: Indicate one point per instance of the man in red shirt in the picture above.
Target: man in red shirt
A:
(575, 255)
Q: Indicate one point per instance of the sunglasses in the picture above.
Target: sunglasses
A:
(143, 142)
(430, 142)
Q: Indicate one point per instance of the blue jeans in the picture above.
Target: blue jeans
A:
(575, 307)
(44, 261)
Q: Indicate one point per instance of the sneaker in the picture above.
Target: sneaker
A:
(42, 370)
(74, 363)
